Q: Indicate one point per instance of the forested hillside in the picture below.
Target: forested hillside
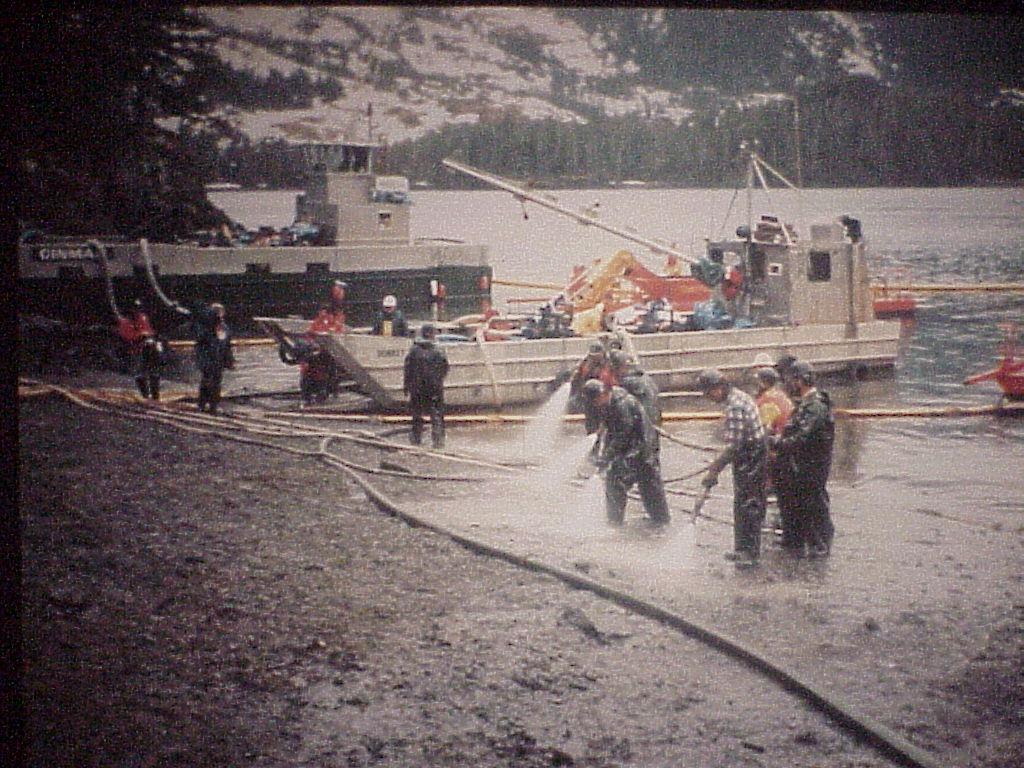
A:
(853, 134)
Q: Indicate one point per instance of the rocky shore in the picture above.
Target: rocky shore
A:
(189, 601)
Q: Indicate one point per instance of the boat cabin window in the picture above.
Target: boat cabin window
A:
(356, 159)
(257, 269)
(317, 268)
(758, 261)
(819, 267)
(384, 218)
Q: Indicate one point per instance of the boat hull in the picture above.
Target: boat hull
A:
(894, 307)
(493, 374)
(255, 281)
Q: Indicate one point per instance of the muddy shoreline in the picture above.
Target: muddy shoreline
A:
(189, 601)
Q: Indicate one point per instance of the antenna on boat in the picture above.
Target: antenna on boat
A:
(795, 98)
(751, 167)
(796, 134)
(744, 147)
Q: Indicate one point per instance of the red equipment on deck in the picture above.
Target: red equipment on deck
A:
(621, 281)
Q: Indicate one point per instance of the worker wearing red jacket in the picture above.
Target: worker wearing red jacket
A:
(331, 318)
(143, 350)
(318, 373)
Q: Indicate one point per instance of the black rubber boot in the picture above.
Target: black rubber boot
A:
(143, 386)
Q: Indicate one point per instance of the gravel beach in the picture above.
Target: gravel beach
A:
(191, 601)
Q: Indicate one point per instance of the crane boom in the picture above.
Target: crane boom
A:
(547, 202)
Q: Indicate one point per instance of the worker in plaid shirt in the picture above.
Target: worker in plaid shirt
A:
(747, 452)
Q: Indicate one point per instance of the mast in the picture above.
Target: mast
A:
(751, 167)
(796, 131)
(757, 163)
(522, 194)
(750, 190)
(799, 164)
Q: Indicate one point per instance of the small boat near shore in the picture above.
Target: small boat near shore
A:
(891, 299)
(809, 297)
(351, 225)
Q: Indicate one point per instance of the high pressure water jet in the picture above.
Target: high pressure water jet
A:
(542, 431)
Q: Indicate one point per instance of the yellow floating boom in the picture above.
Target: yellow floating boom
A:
(188, 343)
(522, 284)
(952, 411)
(948, 287)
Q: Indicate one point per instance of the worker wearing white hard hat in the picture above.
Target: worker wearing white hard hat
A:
(390, 321)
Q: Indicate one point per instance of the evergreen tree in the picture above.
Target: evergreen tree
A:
(89, 149)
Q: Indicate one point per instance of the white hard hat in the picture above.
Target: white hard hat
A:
(390, 301)
(763, 361)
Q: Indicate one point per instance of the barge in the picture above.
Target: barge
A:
(362, 221)
(808, 297)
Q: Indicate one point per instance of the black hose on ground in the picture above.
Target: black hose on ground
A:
(884, 739)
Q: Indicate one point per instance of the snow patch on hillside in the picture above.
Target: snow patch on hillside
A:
(453, 65)
(860, 59)
(423, 68)
(244, 56)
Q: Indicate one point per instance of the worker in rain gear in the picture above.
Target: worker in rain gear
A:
(425, 369)
(144, 350)
(629, 455)
(213, 349)
(213, 352)
(806, 448)
(390, 321)
(318, 373)
(746, 450)
(710, 269)
(594, 366)
(714, 313)
(782, 366)
(635, 381)
(651, 320)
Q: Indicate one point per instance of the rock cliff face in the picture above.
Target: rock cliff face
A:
(581, 95)
(319, 69)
